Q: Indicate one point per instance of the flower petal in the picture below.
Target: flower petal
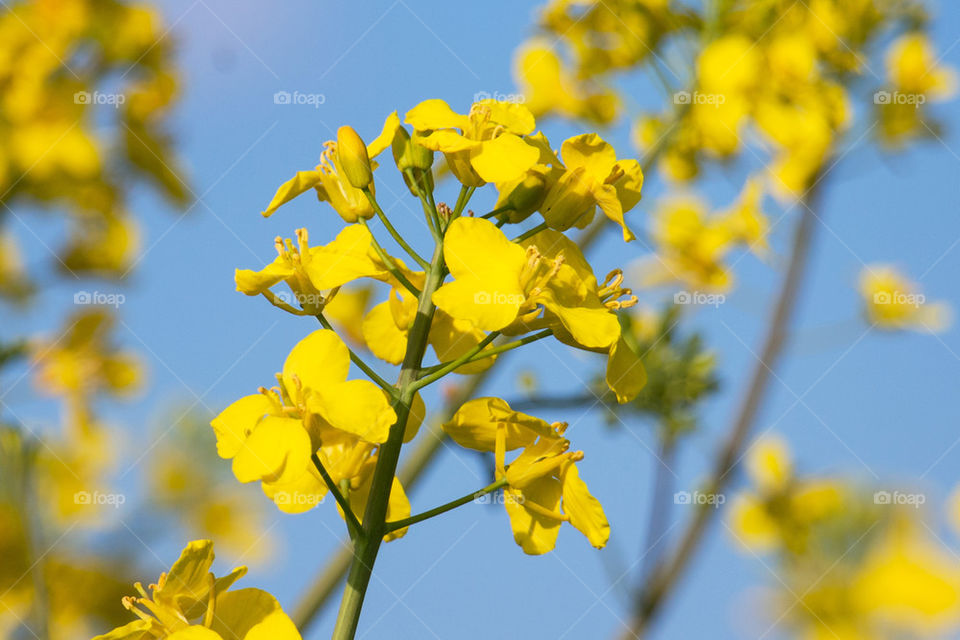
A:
(435, 114)
(385, 139)
(253, 283)
(585, 511)
(626, 375)
(301, 182)
(237, 421)
(278, 450)
(506, 157)
(318, 361)
(357, 406)
(591, 152)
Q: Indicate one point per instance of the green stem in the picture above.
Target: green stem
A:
(453, 504)
(427, 203)
(497, 211)
(367, 546)
(462, 199)
(357, 360)
(390, 264)
(436, 372)
(393, 231)
(531, 232)
(353, 525)
(444, 368)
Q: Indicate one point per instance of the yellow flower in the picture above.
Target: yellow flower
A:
(593, 177)
(768, 464)
(549, 89)
(271, 435)
(893, 302)
(691, 246)
(190, 603)
(387, 326)
(314, 273)
(497, 282)
(908, 582)
(330, 180)
(913, 68)
(484, 146)
(543, 488)
(746, 220)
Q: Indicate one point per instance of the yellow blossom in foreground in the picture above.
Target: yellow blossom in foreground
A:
(892, 301)
(486, 145)
(543, 488)
(593, 177)
(330, 180)
(190, 603)
(271, 435)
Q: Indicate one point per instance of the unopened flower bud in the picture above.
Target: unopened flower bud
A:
(408, 153)
(354, 158)
(521, 198)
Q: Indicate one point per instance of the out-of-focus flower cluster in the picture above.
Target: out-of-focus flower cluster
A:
(851, 563)
(787, 71)
(57, 60)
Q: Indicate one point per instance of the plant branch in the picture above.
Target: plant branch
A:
(390, 264)
(665, 575)
(357, 360)
(453, 504)
(393, 231)
(353, 525)
(438, 371)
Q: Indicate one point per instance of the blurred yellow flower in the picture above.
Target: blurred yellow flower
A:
(892, 301)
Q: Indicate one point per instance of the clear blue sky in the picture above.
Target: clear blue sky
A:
(881, 408)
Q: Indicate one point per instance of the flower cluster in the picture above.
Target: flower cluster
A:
(318, 432)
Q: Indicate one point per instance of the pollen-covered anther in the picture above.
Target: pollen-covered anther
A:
(560, 427)
(575, 456)
(613, 280)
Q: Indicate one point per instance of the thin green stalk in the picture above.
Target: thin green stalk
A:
(427, 203)
(436, 372)
(357, 360)
(353, 525)
(462, 199)
(531, 232)
(497, 211)
(374, 518)
(390, 264)
(446, 367)
(393, 231)
(453, 504)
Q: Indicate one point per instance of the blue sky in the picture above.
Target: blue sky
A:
(877, 407)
